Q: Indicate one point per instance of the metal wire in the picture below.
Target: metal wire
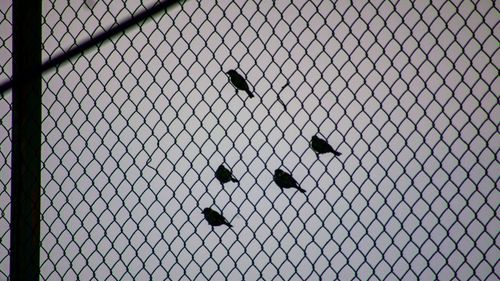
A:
(95, 40)
(134, 130)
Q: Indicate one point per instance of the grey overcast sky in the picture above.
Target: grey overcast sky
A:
(133, 131)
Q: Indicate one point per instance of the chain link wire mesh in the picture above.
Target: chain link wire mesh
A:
(134, 130)
(5, 136)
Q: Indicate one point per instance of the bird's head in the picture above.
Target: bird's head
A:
(278, 172)
(231, 72)
(315, 138)
(206, 210)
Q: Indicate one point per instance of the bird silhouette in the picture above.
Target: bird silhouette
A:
(214, 219)
(321, 146)
(224, 175)
(239, 82)
(285, 180)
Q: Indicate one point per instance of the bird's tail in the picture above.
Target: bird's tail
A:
(234, 180)
(336, 153)
(228, 224)
(301, 190)
(249, 93)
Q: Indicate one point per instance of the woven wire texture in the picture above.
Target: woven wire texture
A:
(134, 129)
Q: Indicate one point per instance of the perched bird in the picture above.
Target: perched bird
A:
(214, 219)
(285, 180)
(224, 175)
(239, 82)
(321, 146)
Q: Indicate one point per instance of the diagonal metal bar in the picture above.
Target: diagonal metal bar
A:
(106, 35)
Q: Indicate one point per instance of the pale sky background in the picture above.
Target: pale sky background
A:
(134, 130)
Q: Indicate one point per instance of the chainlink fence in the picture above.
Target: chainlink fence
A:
(134, 130)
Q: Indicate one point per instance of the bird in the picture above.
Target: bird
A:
(224, 175)
(320, 146)
(214, 219)
(285, 180)
(239, 82)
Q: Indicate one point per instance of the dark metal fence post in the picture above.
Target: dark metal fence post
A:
(26, 141)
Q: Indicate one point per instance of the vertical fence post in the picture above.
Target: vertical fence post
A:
(26, 141)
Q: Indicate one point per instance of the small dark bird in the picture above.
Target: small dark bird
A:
(239, 82)
(224, 175)
(321, 146)
(214, 219)
(285, 180)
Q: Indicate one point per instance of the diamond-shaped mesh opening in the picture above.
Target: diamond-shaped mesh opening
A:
(134, 130)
